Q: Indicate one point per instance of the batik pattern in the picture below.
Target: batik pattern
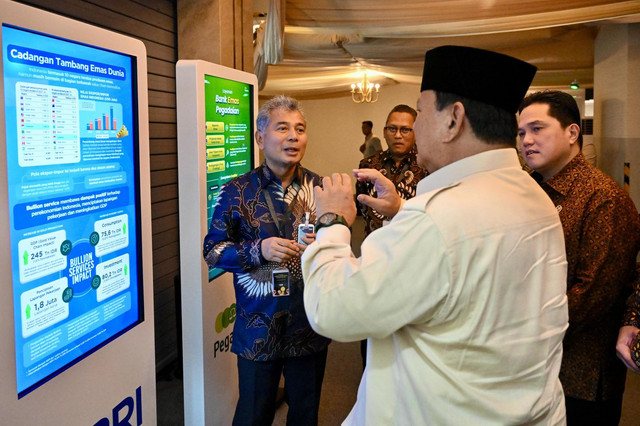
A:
(266, 327)
(602, 237)
(405, 177)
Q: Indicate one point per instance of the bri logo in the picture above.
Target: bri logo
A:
(121, 418)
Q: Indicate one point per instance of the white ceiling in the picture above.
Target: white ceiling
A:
(329, 43)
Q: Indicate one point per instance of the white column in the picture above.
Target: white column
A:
(617, 102)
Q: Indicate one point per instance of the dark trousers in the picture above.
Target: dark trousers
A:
(593, 413)
(259, 384)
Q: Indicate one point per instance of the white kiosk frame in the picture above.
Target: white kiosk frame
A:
(118, 379)
(210, 376)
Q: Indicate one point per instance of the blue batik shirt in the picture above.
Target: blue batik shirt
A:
(266, 327)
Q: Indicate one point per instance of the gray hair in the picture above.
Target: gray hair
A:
(277, 102)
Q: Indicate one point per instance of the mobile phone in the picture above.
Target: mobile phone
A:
(304, 229)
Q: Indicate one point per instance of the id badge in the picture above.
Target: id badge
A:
(280, 280)
(303, 230)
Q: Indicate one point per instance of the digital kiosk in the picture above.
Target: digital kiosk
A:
(77, 304)
(217, 108)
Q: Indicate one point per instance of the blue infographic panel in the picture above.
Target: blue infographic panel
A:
(73, 199)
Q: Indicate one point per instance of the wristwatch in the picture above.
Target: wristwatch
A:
(329, 219)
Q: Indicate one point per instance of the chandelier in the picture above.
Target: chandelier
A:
(365, 91)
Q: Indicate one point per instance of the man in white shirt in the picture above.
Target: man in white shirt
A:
(462, 295)
(371, 145)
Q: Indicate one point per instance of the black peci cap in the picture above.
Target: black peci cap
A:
(478, 74)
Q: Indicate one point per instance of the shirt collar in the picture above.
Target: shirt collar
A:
(564, 179)
(267, 176)
(485, 161)
(385, 156)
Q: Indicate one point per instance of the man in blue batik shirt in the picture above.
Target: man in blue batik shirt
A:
(254, 234)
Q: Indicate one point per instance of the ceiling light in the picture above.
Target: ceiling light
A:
(574, 85)
(365, 91)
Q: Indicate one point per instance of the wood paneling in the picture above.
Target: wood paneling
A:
(163, 177)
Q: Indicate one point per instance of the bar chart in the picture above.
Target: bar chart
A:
(105, 122)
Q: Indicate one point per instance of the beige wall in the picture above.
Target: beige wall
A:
(334, 127)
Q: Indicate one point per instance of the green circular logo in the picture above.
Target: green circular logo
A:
(226, 318)
(94, 238)
(95, 282)
(65, 247)
(67, 294)
(232, 313)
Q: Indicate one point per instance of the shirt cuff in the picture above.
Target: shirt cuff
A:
(337, 233)
(387, 220)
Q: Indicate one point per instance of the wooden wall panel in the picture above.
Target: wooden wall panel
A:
(154, 23)
(163, 146)
(163, 238)
(163, 177)
(166, 223)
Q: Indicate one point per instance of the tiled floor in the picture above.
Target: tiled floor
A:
(339, 392)
(340, 385)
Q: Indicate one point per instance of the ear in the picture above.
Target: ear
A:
(456, 117)
(259, 140)
(574, 132)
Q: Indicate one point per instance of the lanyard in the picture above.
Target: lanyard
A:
(272, 210)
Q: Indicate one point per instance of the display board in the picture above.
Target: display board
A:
(217, 107)
(229, 118)
(71, 157)
(75, 215)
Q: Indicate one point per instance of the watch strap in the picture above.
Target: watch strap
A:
(336, 220)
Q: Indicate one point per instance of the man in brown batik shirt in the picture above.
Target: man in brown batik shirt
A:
(629, 330)
(398, 163)
(602, 238)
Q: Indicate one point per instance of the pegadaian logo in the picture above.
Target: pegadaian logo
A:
(226, 318)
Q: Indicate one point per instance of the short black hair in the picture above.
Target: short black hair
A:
(562, 107)
(490, 124)
(369, 123)
(403, 108)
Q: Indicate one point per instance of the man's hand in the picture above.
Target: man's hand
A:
(388, 201)
(308, 239)
(336, 196)
(280, 250)
(623, 346)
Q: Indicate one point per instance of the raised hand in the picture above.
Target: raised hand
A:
(388, 202)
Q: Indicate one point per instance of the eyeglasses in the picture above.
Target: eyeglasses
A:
(392, 130)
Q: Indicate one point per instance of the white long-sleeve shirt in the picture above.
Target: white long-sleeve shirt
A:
(462, 297)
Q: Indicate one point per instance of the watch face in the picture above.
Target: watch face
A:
(327, 217)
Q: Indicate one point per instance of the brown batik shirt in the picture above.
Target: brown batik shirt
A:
(405, 176)
(632, 315)
(602, 238)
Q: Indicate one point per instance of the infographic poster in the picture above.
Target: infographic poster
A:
(229, 141)
(73, 199)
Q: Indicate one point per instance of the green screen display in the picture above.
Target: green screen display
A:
(229, 129)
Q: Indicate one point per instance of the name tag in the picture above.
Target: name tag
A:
(280, 280)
